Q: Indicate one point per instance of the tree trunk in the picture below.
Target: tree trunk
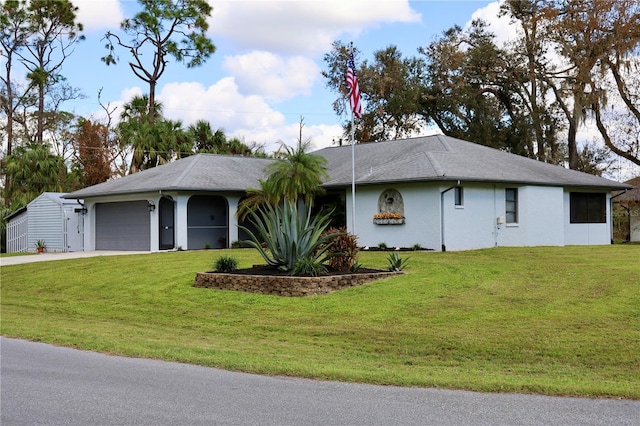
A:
(152, 102)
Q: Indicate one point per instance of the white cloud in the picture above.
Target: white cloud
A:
(505, 31)
(97, 16)
(221, 104)
(321, 136)
(247, 117)
(301, 26)
(268, 75)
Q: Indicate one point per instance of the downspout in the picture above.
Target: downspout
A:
(628, 213)
(444, 247)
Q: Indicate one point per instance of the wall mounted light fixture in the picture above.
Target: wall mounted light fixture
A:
(151, 206)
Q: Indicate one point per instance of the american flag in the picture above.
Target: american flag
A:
(354, 89)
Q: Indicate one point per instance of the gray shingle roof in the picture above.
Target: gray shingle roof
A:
(437, 158)
(632, 195)
(429, 158)
(201, 172)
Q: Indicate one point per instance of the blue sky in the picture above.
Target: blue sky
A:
(265, 74)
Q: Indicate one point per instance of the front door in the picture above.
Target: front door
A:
(167, 237)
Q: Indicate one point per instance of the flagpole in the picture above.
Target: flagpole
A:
(356, 112)
(353, 165)
(353, 176)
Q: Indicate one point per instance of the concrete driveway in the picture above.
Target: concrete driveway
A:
(46, 257)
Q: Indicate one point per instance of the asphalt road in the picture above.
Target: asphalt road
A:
(48, 385)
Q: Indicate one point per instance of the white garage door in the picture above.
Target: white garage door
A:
(123, 226)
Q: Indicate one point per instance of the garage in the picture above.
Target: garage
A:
(123, 226)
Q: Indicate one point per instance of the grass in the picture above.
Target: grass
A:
(552, 320)
(17, 254)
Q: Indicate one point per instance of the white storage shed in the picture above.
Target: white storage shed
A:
(57, 221)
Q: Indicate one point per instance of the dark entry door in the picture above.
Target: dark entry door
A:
(167, 237)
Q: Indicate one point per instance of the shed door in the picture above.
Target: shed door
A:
(123, 226)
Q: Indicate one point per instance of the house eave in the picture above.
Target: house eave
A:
(80, 195)
(446, 179)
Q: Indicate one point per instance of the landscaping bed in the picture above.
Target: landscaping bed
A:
(268, 280)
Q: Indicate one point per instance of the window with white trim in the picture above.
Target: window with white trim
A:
(459, 196)
(511, 205)
(587, 207)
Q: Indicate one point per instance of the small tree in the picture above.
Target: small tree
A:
(298, 175)
(163, 29)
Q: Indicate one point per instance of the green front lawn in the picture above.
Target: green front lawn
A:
(561, 320)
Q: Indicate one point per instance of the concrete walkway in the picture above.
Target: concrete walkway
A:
(46, 257)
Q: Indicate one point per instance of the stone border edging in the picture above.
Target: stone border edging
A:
(286, 285)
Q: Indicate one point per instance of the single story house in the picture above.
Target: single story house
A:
(56, 221)
(438, 192)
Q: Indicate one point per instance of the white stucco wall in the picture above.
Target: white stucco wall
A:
(181, 201)
(421, 211)
(473, 225)
(476, 223)
(587, 233)
(540, 217)
(542, 210)
(543, 217)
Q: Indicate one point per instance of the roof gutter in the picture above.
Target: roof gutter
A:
(622, 193)
(443, 245)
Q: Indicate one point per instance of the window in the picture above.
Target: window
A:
(587, 207)
(459, 196)
(511, 205)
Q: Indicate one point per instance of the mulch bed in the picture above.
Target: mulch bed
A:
(270, 270)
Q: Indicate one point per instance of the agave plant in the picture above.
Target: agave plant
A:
(287, 235)
(396, 263)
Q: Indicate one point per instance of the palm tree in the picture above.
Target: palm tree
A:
(173, 142)
(255, 198)
(204, 139)
(154, 143)
(299, 174)
(34, 169)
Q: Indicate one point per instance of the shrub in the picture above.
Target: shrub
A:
(344, 249)
(289, 235)
(356, 267)
(308, 268)
(236, 244)
(396, 263)
(226, 264)
(382, 246)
